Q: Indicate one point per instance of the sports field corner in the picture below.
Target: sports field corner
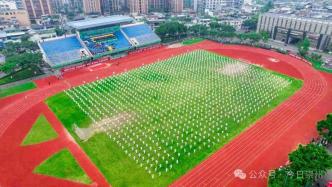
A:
(143, 102)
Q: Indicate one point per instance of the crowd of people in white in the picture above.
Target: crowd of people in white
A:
(180, 108)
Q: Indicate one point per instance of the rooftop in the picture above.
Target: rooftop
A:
(100, 21)
(293, 16)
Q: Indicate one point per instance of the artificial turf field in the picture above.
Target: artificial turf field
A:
(5, 92)
(155, 123)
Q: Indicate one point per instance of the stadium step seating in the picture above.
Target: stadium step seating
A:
(122, 43)
(141, 33)
(62, 50)
(116, 43)
(101, 40)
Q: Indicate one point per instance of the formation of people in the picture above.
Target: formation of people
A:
(180, 108)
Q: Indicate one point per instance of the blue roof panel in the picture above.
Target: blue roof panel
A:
(100, 21)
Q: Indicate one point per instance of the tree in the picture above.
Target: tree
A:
(311, 158)
(12, 49)
(8, 67)
(227, 28)
(25, 37)
(268, 6)
(59, 31)
(324, 128)
(303, 47)
(215, 25)
(252, 36)
(171, 30)
(282, 177)
(316, 56)
(21, 61)
(199, 29)
(251, 24)
(265, 36)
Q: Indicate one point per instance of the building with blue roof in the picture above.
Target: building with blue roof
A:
(100, 22)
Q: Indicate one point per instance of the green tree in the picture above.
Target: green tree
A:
(268, 6)
(59, 31)
(265, 36)
(12, 49)
(25, 37)
(215, 25)
(316, 56)
(252, 36)
(199, 29)
(283, 176)
(310, 158)
(227, 28)
(220, 30)
(251, 23)
(21, 61)
(324, 128)
(303, 47)
(8, 67)
(171, 30)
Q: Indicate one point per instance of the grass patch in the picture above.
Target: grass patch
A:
(192, 41)
(186, 108)
(41, 131)
(64, 166)
(20, 75)
(5, 92)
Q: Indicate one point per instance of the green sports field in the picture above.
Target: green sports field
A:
(149, 126)
(5, 92)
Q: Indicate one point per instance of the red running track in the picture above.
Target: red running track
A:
(263, 146)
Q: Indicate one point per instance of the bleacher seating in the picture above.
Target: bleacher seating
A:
(67, 56)
(122, 42)
(116, 43)
(98, 37)
(140, 33)
(62, 50)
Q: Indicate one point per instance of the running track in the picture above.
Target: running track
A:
(261, 147)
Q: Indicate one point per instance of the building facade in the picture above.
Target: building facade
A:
(109, 7)
(199, 6)
(157, 5)
(176, 6)
(216, 5)
(37, 8)
(291, 30)
(92, 6)
(11, 15)
(138, 6)
(14, 17)
(188, 4)
(7, 5)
